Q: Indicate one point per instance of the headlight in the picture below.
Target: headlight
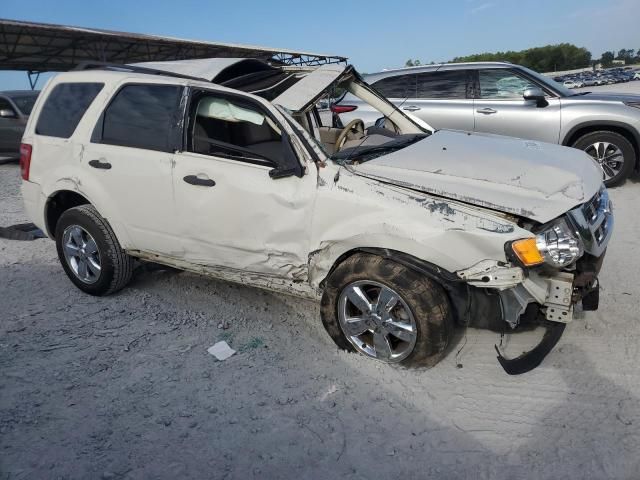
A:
(557, 246)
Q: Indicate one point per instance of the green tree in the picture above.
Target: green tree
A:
(564, 56)
(607, 59)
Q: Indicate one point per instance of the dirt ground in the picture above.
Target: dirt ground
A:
(123, 388)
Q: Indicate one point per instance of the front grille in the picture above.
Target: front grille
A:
(594, 222)
(591, 208)
(600, 232)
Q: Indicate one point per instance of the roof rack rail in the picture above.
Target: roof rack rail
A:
(117, 67)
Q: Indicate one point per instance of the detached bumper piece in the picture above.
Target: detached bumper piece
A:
(534, 357)
(22, 231)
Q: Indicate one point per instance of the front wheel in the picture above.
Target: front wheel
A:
(90, 253)
(386, 311)
(613, 152)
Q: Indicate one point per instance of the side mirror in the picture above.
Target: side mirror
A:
(7, 113)
(536, 94)
(380, 122)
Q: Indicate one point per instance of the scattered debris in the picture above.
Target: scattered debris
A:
(255, 342)
(221, 350)
(21, 231)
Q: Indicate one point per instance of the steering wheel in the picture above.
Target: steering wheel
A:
(356, 125)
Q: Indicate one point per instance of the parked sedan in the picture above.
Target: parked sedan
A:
(573, 84)
(507, 99)
(15, 108)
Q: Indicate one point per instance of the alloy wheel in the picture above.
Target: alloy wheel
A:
(609, 157)
(377, 321)
(81, 253)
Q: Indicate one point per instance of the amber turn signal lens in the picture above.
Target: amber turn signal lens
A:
(527, 251)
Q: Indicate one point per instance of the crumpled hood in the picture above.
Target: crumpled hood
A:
(531, 179)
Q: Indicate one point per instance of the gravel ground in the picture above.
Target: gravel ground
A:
(122, 387)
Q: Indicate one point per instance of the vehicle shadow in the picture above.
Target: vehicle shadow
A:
(592, 434)
(84, 395)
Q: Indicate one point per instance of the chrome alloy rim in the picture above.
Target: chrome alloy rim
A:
(377, 321)
(609, 157)
(81, 253)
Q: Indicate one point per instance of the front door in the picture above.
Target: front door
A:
(501, 108)
(231, 213)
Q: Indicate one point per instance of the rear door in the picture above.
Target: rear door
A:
(398, 89)
(128, 164)
(444, 99)
(501, 109)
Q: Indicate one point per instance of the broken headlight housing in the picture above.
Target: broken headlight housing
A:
(559, 244)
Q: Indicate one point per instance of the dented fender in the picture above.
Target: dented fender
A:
(354, 212)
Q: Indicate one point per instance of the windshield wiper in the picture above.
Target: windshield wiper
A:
(345, 156)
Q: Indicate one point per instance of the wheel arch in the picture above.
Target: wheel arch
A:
(621, 128)
(59, 202)
(471, 306)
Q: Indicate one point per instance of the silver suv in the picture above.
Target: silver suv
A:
(507, 99)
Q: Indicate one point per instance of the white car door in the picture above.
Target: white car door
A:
(232, 213)
(128, 165)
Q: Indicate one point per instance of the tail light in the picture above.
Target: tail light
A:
(25, 160)
(343, 108)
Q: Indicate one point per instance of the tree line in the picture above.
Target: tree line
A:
(564, 56)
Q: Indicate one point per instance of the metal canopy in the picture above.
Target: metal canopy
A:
(41, 47)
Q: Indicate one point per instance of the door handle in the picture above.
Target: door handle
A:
(486, 111)
(99, 164)
(195, 180)
(411, 108)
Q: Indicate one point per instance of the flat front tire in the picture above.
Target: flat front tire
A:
(90, 253)
(386, 311)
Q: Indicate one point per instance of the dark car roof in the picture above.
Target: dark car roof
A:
(20, 93)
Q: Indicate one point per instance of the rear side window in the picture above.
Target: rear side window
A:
(450, 84)
(64, 108)
(400, 86)
(141, 116)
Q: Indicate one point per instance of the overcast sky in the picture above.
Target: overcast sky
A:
(373, 34)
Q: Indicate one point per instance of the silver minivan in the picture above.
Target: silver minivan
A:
(507, 99)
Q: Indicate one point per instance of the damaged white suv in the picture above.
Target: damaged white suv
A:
(224, 167)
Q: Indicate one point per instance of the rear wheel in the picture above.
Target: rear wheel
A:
(90, 253)
(613, 152)
(386, 311)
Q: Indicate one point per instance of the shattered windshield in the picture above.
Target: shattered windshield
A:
(353, 122)
(363, 153)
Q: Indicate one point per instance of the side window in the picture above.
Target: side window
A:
(5, 105)
(64, 108)
(232, 128)
(141, 116)
(450, 84)
(400, 86)
(502, 84)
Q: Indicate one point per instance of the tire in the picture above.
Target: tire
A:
(618, 143)
(421, 300)
(80, 226)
